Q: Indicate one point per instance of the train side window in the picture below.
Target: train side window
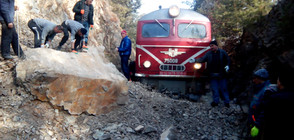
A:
(155, 30)
(191, 31)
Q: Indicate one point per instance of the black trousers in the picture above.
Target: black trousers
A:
(9, 36)
(67, 29)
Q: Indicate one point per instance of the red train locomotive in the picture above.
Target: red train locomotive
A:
(166, 40)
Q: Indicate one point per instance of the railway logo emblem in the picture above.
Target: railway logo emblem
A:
(172, 53)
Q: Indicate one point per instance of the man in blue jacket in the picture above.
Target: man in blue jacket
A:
(9, 34)
(218, 63)
(125, 50)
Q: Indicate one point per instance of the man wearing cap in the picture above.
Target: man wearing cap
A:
(218, 63)
(125, 49)
(256, 111)
(44, 31)
(84, 12)
(77, 31)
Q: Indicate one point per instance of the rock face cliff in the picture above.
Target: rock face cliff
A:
(266, 44)
(106, 30)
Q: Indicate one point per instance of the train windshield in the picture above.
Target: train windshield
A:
(191, 31)
(156, 29)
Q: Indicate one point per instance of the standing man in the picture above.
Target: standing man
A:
(77, 31)
(218, 63)
(44, 31)
(125, 49)
(9, 34)
(84, 12)
(278, 110)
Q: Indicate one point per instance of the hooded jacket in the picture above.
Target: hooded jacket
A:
(256, 110)
(78, 16)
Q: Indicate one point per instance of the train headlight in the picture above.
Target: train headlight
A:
(197, 66)
(147, 64)
(174, 11)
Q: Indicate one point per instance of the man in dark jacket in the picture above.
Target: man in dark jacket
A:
(125, 50)
(278, 112)
(9, 34)
(84, 12)
(218, 63)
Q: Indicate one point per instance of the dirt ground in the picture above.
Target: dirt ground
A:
(147, 116)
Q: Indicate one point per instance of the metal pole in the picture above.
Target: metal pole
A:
(17, 34)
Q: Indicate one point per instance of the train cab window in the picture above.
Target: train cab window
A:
(155, 30)
(191, 31)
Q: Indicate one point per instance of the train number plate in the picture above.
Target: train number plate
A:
(173, 73)
(171, 61)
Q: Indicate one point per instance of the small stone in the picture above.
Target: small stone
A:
(56, 111)
(139, 128)
(105, 88)
(10, 65)
(169, 134)
(50, 133)
(111, 128)
(105, 137)
(98, 134)
(47, 138)
(16, 119)
(73, 138)
(130, 130)
(149, 129)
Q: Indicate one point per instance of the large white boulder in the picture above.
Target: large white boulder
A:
(83, 82)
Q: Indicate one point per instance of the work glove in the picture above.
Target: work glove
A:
(192, 60)
(227, 68)
(47, 45)
(91, 27)
(254, 131)
(82, 11)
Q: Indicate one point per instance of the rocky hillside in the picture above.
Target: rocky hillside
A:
(106, 30)
(266, 44)
(147, 114)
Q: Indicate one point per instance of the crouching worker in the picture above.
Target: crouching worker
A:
(77, 31)
(44, 31)
(261, 85)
